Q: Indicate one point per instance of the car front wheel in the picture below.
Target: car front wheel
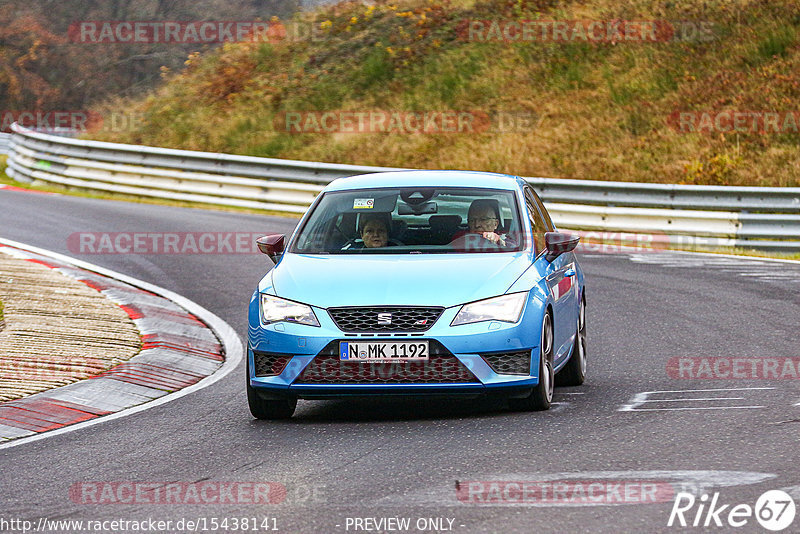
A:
(268, 409)
(541, 397)
(574, 372)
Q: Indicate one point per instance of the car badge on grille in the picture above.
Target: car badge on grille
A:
(384, 318)
(421, 322)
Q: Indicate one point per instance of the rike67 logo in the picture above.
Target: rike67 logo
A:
(774, 510)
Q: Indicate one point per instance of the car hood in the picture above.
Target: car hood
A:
(393, 280)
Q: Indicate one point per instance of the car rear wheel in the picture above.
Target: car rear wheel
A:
(541, 397)
(268, 409)
(574, 372)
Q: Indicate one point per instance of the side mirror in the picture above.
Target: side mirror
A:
(271, 245)
(558, 243)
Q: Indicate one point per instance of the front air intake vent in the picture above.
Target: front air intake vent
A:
(385, 319)
(509, 363)
(270, 364)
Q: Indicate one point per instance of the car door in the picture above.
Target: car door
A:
(561, 277)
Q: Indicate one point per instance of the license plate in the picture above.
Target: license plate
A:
(367, 351)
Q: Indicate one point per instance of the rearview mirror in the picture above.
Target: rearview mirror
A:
(426, 208)
(558, 243)
(271, 245)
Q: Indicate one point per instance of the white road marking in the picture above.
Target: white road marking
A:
(705, 390)
(697, 399)
(639, 399)
(794, 491)
(760, 269)
(697, 408)
(556, 407)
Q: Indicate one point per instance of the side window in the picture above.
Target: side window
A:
(538, 224)
(546, 216)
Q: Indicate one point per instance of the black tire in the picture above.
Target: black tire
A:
(541, 396)
(268, 409)
(574, 372)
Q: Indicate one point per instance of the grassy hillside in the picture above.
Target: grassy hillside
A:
(592, 110)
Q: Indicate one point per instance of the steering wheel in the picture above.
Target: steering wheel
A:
(474, 243)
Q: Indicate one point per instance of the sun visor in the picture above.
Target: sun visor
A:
(367, 202)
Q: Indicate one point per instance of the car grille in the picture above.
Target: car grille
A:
(270, 364)
(403, 319)
(441, 367)
(509, 363)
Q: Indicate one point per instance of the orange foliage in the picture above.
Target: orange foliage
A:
(25, 47)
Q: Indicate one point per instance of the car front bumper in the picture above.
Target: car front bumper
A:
(301, 344)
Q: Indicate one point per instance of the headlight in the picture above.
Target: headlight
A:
(274, 309)
(505, 308)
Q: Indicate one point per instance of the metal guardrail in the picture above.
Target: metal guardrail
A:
(5, 139)
(751, 217)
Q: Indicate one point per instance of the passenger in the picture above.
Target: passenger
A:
(374, 231)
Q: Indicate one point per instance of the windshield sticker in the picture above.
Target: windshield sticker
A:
(363, 203)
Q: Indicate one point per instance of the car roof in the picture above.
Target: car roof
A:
(487, 180)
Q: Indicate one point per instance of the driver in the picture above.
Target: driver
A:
(483, 219)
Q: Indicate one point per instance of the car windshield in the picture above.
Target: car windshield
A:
(412, 221)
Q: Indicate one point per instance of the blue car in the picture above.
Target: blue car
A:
(418, 283)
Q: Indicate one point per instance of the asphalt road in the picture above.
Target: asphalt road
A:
(342, 460)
